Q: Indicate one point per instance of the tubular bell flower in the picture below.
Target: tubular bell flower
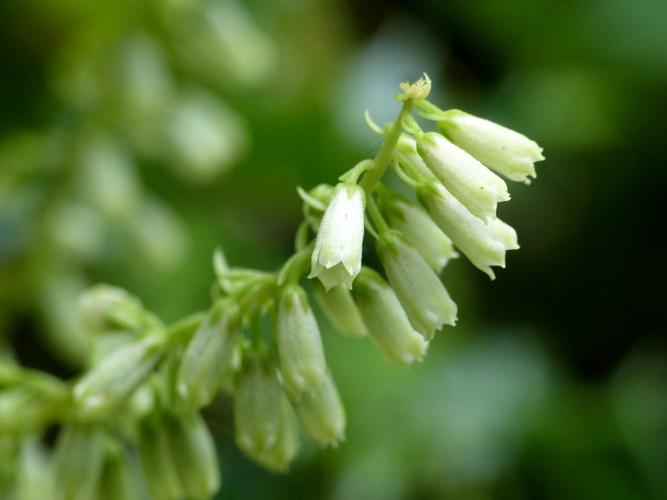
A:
(420, 291)
(302, 363)
(322, 415)
(479, 189)
(336, 258)
(507, 152)
(483, 244)
(436, 248)
(211, 356)
(265, 428)
(387, 322)
(340, 309)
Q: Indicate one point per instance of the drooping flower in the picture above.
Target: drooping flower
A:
(265, 428)
(484, 244)
(412, 221)
(340, 309)
(211, 357)
(474, 185)
(336, 258)
(418, 288)
(507, 152)
(115, 377)
(302, 363)
(322, 414)
(386, 320)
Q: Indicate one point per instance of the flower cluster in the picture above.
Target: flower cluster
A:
(260, 342)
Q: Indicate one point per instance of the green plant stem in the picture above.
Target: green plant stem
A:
(375, 215)
(384, 155)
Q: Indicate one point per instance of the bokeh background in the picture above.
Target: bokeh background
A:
(136, 136)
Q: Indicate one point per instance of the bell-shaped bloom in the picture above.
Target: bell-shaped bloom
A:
(117, 375)
(211, 357)
(418, 288)
(484, 247)
(386, 320)
(322, 414)
(340, 309)
(420, 230)
(302, 363)
(194, 454)
(265, 428)
(479, 189)
(78, 460)
(118, 475)
(504, 233)
(507, 152)
(336, 259)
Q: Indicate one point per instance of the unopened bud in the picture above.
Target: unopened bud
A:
(211, 357)
(265, 428)
(158, 461)
(194, 455)
(386, 320)
(420, 291)
(300, 350)
(436, 248)
(105, 307)
(78, 460)
(340, 310)
(117, 376)
(322, 414)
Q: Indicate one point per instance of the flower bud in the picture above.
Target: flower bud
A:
(77, 463)
(112, 380)
(499, 148)
(340, 310)
(265, 429)
(194, 455)
(118, 479)
(469, 233)
(105, 307)
(418, 288)
(336, 258)
(474, 185)
(211, 357)
(302, 363)
(158, 461)
(322, 415)
(386, 320)
(34, 477)
(406, 152)
(436, 248)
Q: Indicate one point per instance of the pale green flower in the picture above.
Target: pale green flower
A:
(211, 357)
(499, 148)
(419, 289)
(434, 245)
(336, 258)
(386, 320)
(340, 309)
(322, 414)
(479, 189)
(265, 428)
(484, 247)
(302, 363)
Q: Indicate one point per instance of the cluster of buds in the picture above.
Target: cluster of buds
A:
(260, 342)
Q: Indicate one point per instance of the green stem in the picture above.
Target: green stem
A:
(384, 156)
(376, 216)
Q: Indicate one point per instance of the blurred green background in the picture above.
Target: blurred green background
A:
(136, 136)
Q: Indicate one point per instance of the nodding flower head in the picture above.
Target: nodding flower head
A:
(336, 259)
